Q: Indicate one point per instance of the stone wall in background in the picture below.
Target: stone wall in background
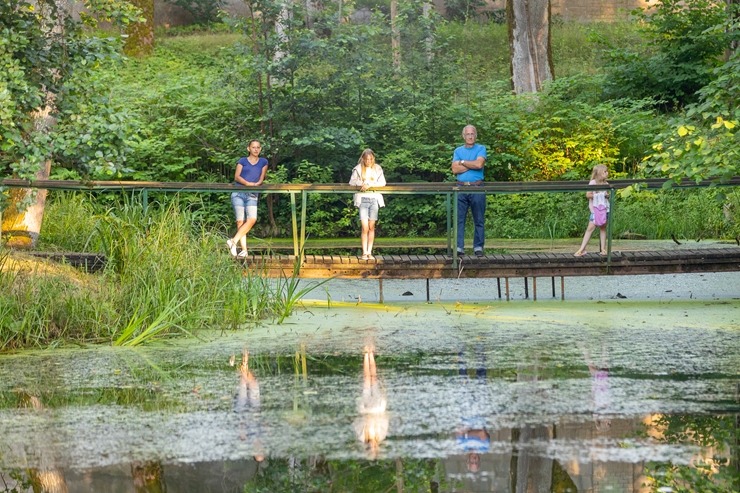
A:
(580, 10)
(597, 10)
(166, 14)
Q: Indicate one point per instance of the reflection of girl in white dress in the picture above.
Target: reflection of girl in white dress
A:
(371, 427)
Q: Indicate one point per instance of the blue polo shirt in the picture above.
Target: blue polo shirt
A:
(470, 154)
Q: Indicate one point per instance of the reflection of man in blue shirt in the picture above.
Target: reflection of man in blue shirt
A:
(472, 436)
(467, 165)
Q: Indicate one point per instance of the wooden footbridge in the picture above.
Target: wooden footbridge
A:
(717, 258)
(503, 267)
(722, 259)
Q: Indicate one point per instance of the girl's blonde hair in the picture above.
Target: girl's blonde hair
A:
(598, 169)
(366, 154)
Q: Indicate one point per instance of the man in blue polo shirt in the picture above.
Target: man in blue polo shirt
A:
(467, 165)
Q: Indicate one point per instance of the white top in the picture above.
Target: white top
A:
(599, 198)
(374, 178)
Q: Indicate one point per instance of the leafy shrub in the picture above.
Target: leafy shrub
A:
(202, 11)
(685, 46)
(462, 10)
(702, 144)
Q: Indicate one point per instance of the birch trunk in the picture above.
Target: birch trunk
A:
(529, 41)
(395, 36)
(21, 225)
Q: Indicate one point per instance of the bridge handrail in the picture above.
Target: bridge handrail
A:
(449, 189)
(414, 187)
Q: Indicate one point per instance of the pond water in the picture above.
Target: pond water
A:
(615, 395)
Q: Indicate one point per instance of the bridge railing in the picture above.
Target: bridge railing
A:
(450, 190)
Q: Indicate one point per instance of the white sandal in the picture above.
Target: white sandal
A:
(232, 247)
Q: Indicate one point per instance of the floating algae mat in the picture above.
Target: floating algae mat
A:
(610, 395)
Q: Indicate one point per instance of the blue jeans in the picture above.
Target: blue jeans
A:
(476, 202)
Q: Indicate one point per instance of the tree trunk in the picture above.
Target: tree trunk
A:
(282, 25)
(529, 41)
(140, 41)
(21, 225)
(395, 36)
(426, 10)
(311, 11)
(21, 221)
(732, 49)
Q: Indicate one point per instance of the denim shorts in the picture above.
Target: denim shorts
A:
(245, 205)
(369, 209)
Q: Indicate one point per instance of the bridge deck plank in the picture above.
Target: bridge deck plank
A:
(489, 266)
(508, 265)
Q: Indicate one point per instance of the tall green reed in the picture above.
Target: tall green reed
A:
(42, 304)
(165, 276)
(173, 278)
(289, 290)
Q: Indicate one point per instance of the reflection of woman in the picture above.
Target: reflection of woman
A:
(247, 404)
(372, 425)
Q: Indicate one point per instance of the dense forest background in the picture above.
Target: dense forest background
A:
(652, 96)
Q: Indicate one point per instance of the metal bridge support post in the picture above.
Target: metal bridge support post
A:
(380, 288)
(562, 288)
(507, 288)
(294, 222)
(304, 206)
(448, 205)
(534, 289)
(455, 225)
(553, 286)
(609, 230)
(145, 200)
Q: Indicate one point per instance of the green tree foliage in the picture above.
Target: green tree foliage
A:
(703, 143)
(462, 10)
(44, 52)
(713, 474)
(685, 46)
(334, 92)
(316, 97)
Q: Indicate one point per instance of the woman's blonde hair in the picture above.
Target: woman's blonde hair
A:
(366, 154)
(598, 169)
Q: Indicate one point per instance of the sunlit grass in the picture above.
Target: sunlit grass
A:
(164, 277)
